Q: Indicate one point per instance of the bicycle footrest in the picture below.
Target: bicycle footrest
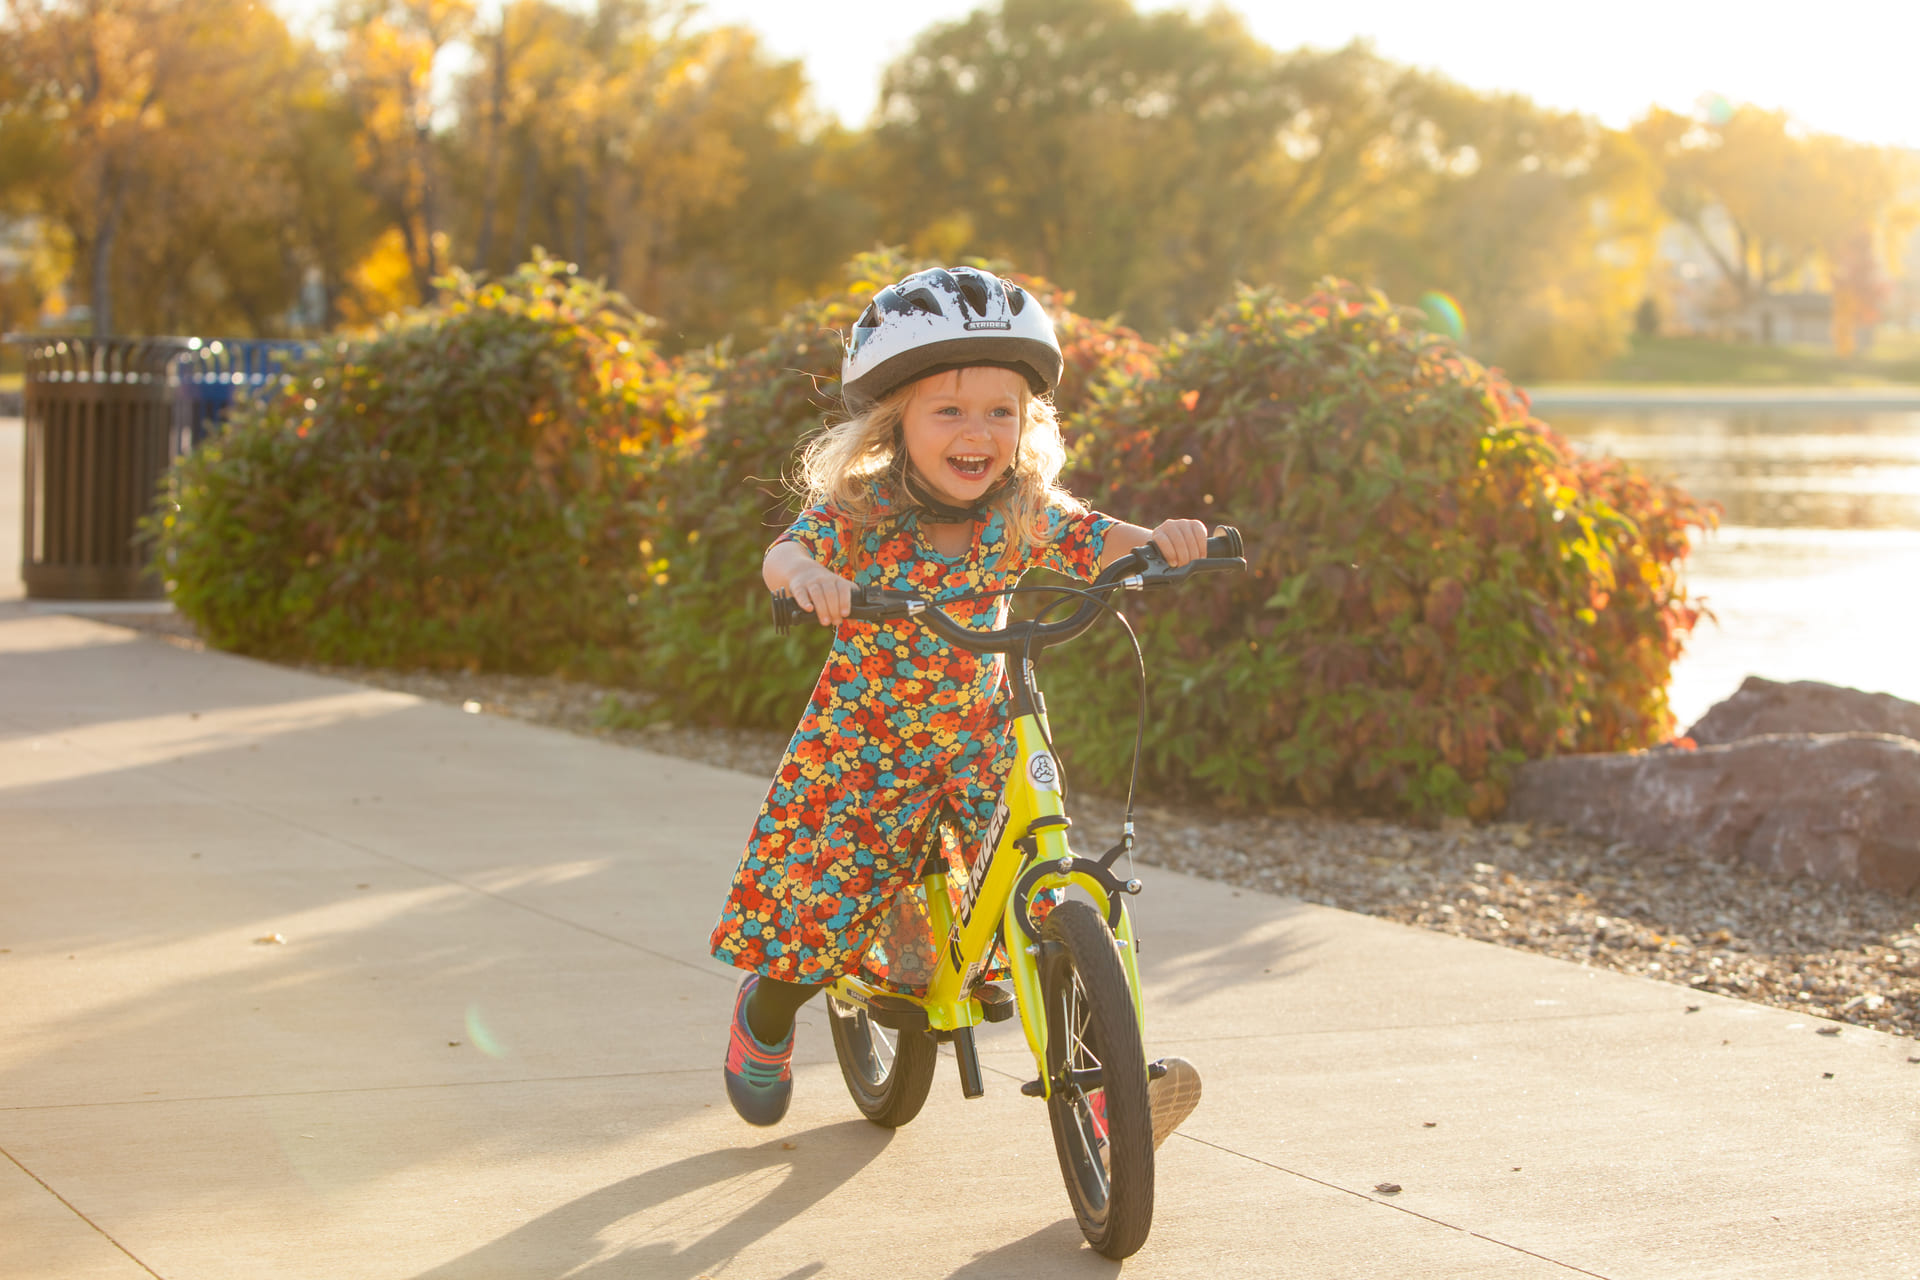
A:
(1034, 1089)
(996, 1003)
(896, 1013)
(1156, 1069)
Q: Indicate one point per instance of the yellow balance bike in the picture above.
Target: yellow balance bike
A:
(1072, 956)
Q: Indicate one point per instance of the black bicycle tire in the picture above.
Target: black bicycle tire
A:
(898, 1094)
(1075, 941)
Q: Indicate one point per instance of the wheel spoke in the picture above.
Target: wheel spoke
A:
(883, 1048)
(1078, 1055)
(877, 1043)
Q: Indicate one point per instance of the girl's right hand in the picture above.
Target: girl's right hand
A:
(824, 593)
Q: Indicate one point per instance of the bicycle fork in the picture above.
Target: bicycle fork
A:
(1025, 853)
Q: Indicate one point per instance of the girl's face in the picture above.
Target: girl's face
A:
(962, 428)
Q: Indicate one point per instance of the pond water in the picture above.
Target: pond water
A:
(1814, 573)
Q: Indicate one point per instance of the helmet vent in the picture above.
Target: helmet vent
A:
(1016, 299)
(924, 299)
(975, 293)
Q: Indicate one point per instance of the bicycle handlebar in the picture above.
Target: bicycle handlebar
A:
(1138, 570)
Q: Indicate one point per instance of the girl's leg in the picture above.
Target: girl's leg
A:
(771, 1008)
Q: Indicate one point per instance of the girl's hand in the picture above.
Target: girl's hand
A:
(1181, 541)
(824, 593)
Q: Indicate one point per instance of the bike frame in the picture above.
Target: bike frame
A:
(1028, 831)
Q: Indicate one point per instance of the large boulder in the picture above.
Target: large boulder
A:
(1804, 706)
(1838, 806)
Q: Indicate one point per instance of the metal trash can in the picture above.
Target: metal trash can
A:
(99, 417)
(212, 372)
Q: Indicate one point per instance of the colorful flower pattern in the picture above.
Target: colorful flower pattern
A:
(904, 742)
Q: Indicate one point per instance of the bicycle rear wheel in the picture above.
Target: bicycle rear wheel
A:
(1102, 1125)
(887, 1072)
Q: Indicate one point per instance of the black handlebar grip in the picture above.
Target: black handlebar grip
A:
(786, 612)
(870, 604)
(1225, 544)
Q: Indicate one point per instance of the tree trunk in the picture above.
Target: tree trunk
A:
(410, 239)
(523, 203)
(102, 300)
(423, 142)
(490, 192)
(579, 253)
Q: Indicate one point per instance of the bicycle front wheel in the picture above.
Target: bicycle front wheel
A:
(887, 1072)
(1102, 1125)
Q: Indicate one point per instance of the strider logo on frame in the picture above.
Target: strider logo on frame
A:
(977, 873)
(1040, 768)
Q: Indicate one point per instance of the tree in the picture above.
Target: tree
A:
(1766, 200)
(153, 135)
(1859, 291)
(1153, 160)
(1120, 152)
(392, 51)
(685, 167)
(336, 221)
(1539, 223)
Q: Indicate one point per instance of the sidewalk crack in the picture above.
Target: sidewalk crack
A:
(75, 1211)
(1398, 1208)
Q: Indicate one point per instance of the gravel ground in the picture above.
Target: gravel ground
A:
(1826, 950)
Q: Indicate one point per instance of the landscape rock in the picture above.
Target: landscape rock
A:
(1764, 706)
(1836, 806)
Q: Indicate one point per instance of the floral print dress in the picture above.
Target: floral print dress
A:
(905, 740)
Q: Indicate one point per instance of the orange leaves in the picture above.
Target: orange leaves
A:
(1422, 550)
(1443, 602)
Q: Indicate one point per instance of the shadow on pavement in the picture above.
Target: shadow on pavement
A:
(726, 1201)
(1056, 1250)
(146, 672)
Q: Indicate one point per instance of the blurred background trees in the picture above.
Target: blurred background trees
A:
(156, 142)
(1766, 200)
(194, 165)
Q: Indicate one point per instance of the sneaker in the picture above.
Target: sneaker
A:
(1172, 1098)
(759, 1076)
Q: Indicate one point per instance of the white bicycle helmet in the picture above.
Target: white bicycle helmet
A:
(946, 318)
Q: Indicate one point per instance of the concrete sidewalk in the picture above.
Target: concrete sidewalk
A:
(306, 979)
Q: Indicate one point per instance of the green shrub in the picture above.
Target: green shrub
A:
(1438, 587)
(711, 650)
(464, 489)
(1094, 353)
(723, 496)
(1641, 624)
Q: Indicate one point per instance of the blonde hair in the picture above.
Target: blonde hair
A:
(850, 462)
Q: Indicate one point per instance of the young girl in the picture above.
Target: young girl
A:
(942, 482)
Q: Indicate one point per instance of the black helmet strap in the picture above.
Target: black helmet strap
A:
(910, 483)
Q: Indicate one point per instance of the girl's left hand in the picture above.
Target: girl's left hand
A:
(1181, 541)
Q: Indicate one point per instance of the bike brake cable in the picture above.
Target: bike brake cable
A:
(1140, 664)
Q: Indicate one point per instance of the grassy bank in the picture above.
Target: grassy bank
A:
(1895, 358)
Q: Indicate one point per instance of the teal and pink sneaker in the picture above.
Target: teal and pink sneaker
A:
(759, 1076)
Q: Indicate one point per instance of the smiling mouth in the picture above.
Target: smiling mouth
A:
(971, 466)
